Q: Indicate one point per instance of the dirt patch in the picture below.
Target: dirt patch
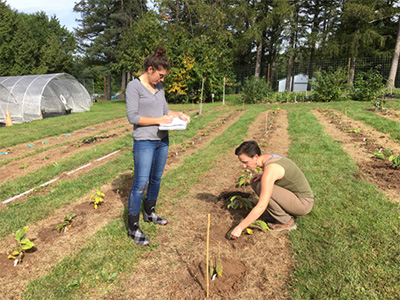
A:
(361, 141)
(258, 265)
(388, 113)
(88, 131)
(24, 166)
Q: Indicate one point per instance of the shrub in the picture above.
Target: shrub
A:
(329, 85)
(255, 90)
(368, 86)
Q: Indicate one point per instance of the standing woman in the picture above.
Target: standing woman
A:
(146, 110)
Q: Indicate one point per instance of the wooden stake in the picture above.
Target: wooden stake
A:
(208, 247)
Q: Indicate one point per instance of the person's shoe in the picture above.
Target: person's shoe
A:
(149, 214)
(134, 231)
(289, 226)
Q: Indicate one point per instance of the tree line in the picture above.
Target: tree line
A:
(206, 40)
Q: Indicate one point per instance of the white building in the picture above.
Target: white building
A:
(300, 83)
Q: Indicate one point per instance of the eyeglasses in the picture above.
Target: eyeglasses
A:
(161, 75)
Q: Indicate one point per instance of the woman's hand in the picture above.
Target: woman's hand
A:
(184, 117)
(236, 232)
(256, 177)
(166, 119)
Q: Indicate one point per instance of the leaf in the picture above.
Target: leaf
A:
(260, 224)
(28, 245)
(11, 256)
(219, 268)
(211, 268)
(249, 205)
(15, 252)
(249, 231)
(19, 235)
(379, 155)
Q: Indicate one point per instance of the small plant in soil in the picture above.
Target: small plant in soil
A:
(384, 155)
(185, 145)
(258, 224)
(22, 244)
(354, 130)
(97, 197)
(23, 166)
(237, 202)
(66, 224)
(244, 179)
(217, 269)
(395, 160)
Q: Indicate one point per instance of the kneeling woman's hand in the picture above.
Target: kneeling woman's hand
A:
(236, 232)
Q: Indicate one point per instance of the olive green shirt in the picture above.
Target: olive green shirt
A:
(294, 179)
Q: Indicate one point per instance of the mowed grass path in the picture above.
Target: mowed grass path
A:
(346, 248)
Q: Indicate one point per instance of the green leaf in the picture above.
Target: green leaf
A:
(19, 235)
(211, 268)
(219, 268)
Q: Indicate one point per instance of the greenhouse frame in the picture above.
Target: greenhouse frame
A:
(34, 97)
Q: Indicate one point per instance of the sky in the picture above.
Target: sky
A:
(62, 9)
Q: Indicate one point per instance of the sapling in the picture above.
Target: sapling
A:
(395, 159)
(240, 202)
(258, 224)
(97, 197)
(22, 244)
(66, 224)
(384, 155)
(218, 268)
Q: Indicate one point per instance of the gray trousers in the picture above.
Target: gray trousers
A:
(283, 204)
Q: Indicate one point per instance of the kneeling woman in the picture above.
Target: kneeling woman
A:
(282, 188)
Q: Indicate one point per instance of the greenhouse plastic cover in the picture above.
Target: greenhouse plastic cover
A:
(29, 97)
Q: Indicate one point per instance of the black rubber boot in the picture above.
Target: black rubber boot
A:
(134, 231)
(149, 214)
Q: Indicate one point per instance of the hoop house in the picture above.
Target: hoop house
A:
(7, 101)
(43, 95)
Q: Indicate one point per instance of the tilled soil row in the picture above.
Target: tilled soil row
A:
(175, 151)
(14, 170)
(388, 113)
(51, 246)
(360, 142)
(75, 136)
(255, 266)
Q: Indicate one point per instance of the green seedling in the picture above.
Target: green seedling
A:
(217, 269)
(97, 197)
(354, 130)
(22, 244)
(23, 166)
(244, 179)
(383, 155)
(66, 224)
(185, 145)
(258, 224)
(395, 160)
(237, 202)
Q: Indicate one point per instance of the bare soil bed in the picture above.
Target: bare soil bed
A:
(388, 113)
(64, 146)
(361, 141)
(255, 266)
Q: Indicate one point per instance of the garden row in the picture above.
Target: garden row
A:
(88, 221)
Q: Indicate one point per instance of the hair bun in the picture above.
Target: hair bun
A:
(159, 51)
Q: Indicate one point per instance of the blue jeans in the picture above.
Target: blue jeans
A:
(149, 162)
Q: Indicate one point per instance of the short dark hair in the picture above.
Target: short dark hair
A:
(157, 60)
(250, 148)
